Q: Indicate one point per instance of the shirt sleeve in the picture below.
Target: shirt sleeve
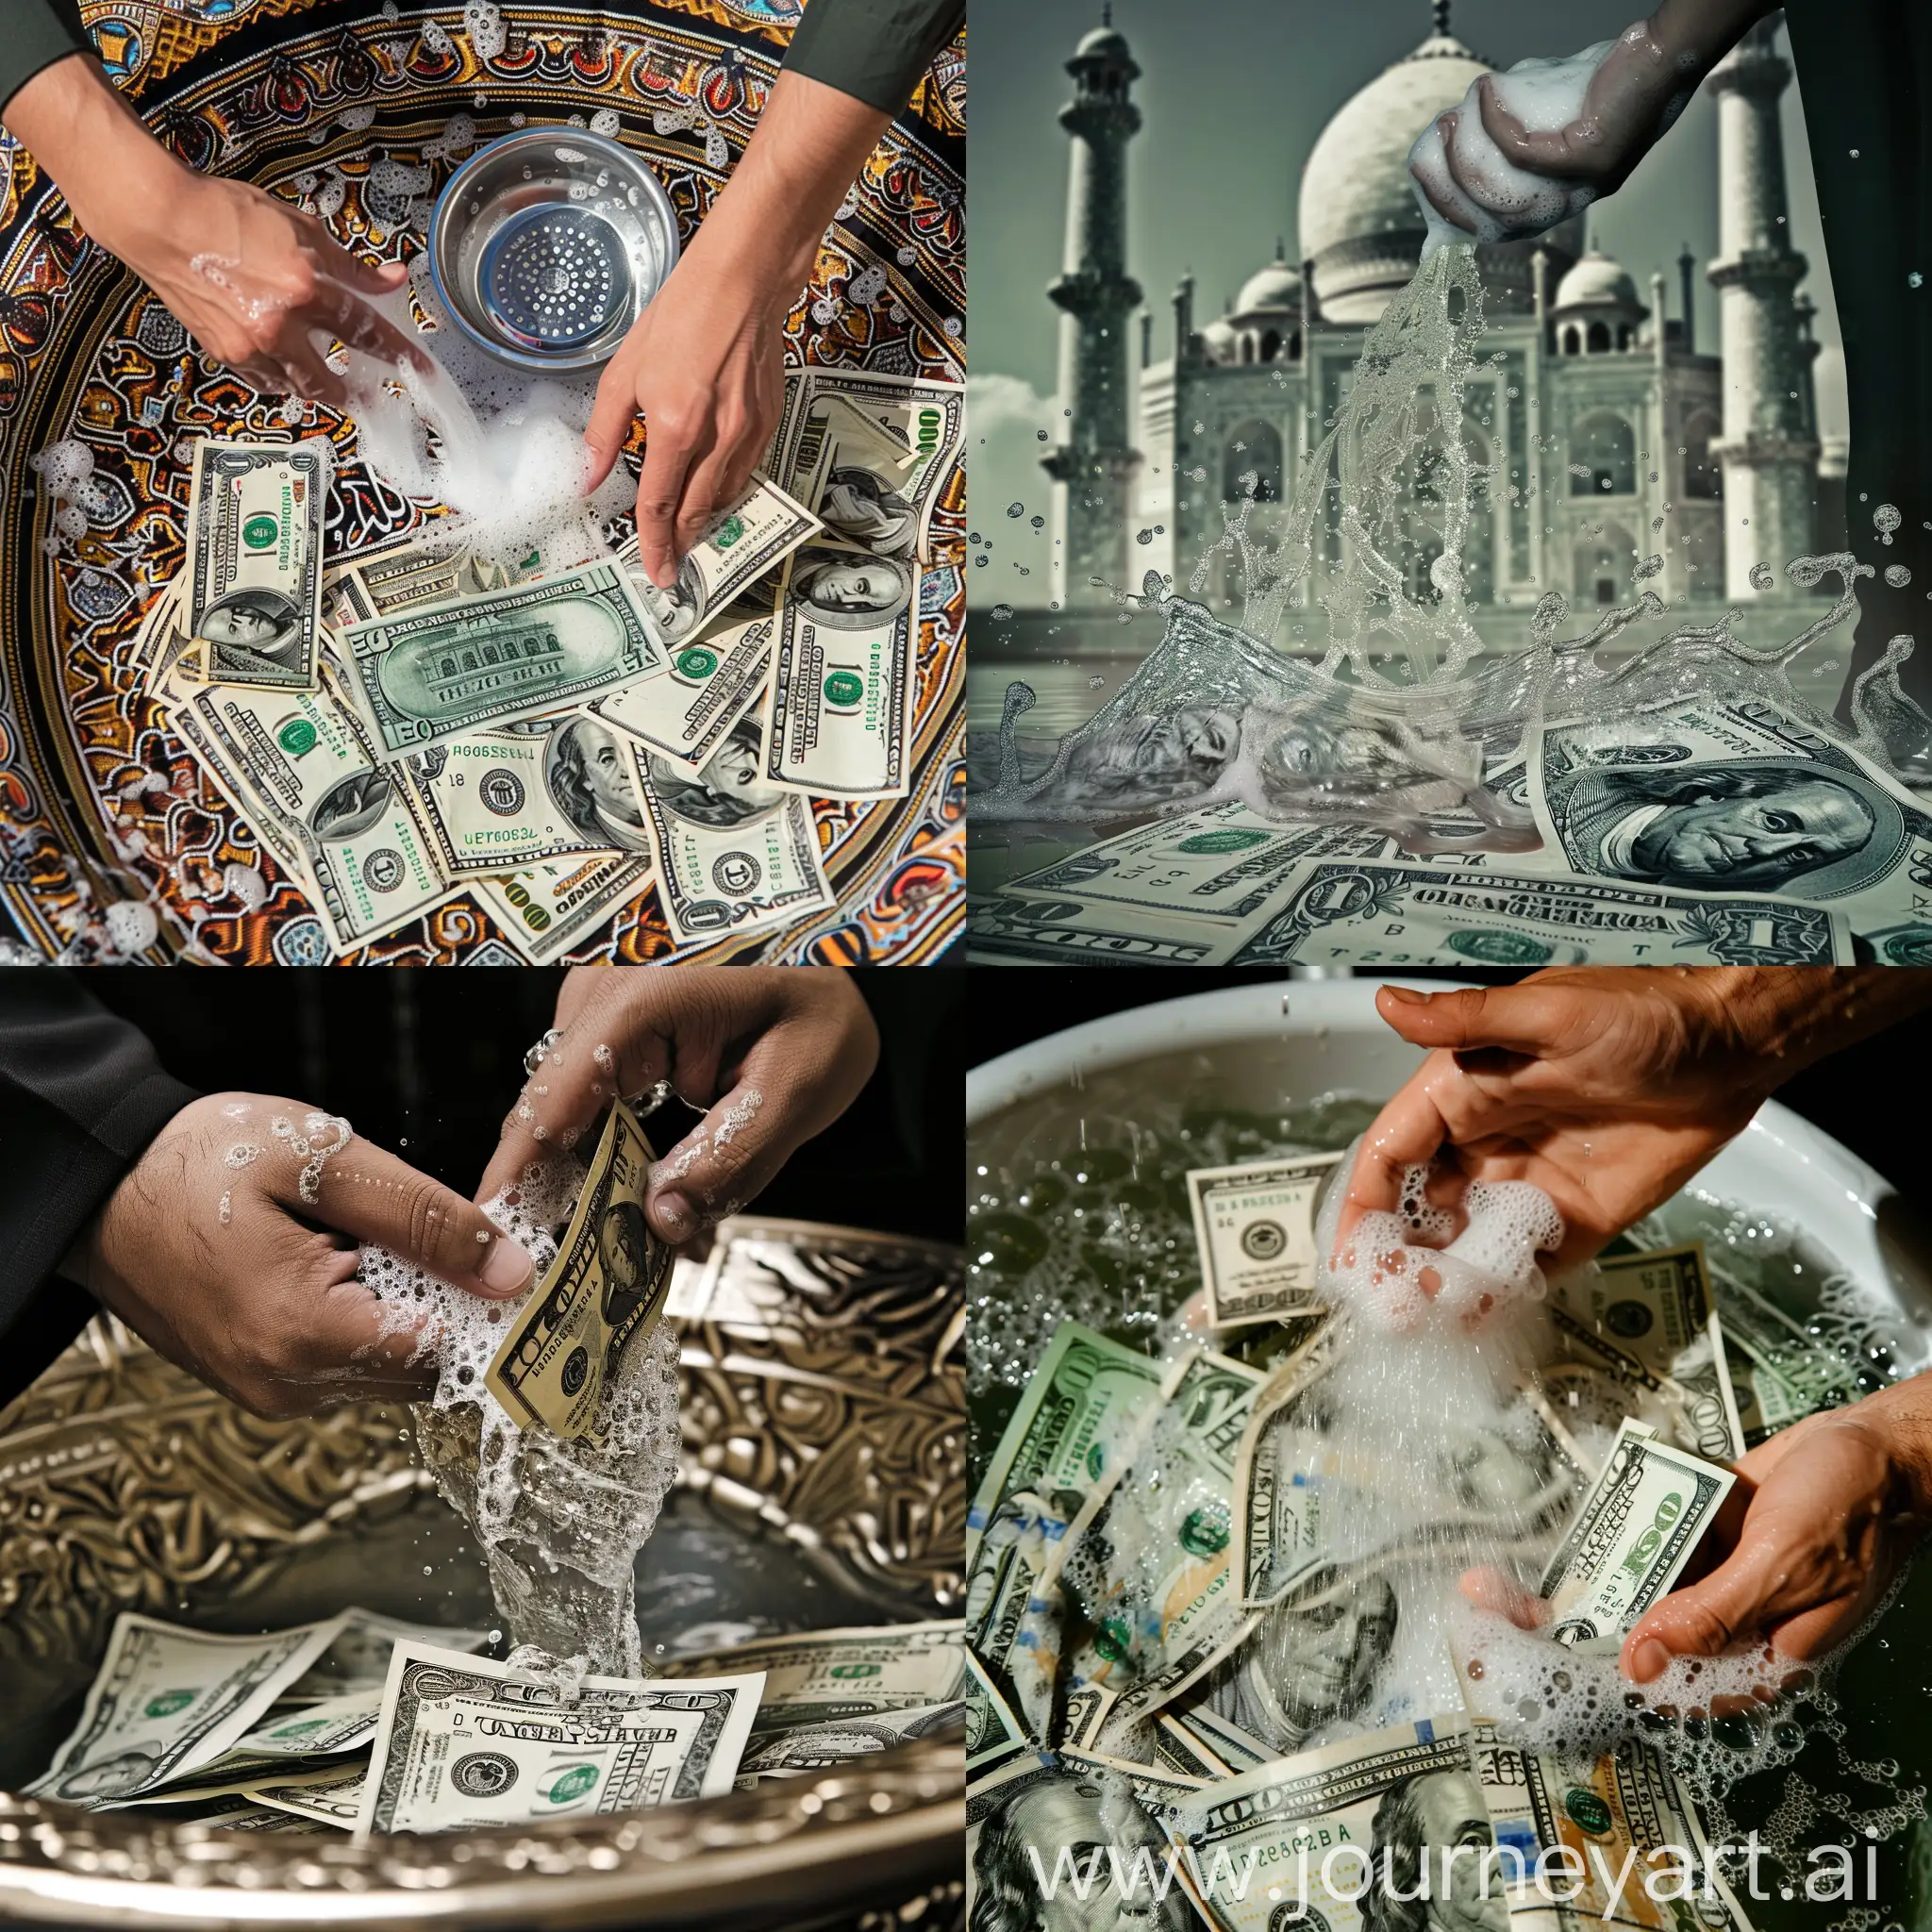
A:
(875, 50)
(81, 1096)
(38, 32)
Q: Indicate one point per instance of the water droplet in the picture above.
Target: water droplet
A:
(1897, 575)
(1016, 509)
(1761, 578)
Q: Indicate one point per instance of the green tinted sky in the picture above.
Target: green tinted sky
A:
(1234, 94)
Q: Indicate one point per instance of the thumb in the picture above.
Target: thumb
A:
(1707, 1617)
(371, 1195)
(1516, 1018)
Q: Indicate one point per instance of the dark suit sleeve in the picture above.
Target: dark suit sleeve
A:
(81, 1096)
(875, 50)
(38, 32)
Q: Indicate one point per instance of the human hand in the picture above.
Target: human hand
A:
(242, 1270)
(776, 1054)
(705, 367)
(1834, 1505)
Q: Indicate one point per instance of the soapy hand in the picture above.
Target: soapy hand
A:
(775, 1054)
(231, 1247)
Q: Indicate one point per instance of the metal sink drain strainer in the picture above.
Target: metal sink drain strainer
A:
(547, 245)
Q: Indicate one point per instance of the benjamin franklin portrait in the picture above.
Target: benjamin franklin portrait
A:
(727, 792)
(1754, 826)
(351, 806)
(1064, 1810)
(624, 1251)
(589, 778)
(680, 610)
(1431, 1814)
(843, 592)
(866, 509)
(254, 625)
(1146, 758)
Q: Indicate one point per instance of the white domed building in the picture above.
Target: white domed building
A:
(1608, 430)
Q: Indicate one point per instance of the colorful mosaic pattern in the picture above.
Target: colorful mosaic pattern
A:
(305, 100)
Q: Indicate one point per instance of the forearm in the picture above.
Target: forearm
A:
(1699, 33)
(1900, 1416)
(119, 180)
(1790, 1017)
(764, 230)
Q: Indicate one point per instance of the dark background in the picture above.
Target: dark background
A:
(1859, 1096)
(428, 1065)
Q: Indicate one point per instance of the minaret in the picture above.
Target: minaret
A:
(1097, 298)
(1769, 454)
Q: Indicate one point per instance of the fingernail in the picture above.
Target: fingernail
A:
(674, 1214)
(1649, 1661)
(507, 1267)
(1407, 996)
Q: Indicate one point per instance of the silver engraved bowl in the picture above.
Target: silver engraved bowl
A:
(547, 245)
(822, 1483)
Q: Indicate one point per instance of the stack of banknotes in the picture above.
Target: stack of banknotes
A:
(1168, 1652)
(366, 1724)
(403, 724)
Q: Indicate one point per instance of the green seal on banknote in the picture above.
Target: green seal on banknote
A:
(844, 688)
(296, 736)
(1587, 1811)
(728, 532)
(261, 533)
(169, 1702)
(571, 1784)
(1500, 948)
(1229, 841)
(1204, 1533)
(1113, 1641)
(696, 662)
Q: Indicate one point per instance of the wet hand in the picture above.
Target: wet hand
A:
(775, 1054)
(232, 1248)
(1834, 1505)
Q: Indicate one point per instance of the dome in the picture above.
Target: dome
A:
(1598, 282)
(1359, 223)
(1273, 291)
(1221, 336)
(1104, 43)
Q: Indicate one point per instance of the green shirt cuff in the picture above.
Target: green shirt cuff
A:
(873, 50)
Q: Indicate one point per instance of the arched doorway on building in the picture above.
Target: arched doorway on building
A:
(1602, 566)
(1603, 457)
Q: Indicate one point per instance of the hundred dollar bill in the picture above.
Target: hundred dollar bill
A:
(163, 637)
(254, 570)
(871, 454)
(443, 671)
(1648, 1320)
(1380, 913)
(333, 1799)
(604, 1292)
(415, 572)
(838, 709)
(1239, 1749)
(322, 1729)
(715, 682)
(791, 1750)
(1731, 794)
(467, 1743)
(1631, 1536)
(1179, 1750)
(299, 768)
(503, 800)
(1411, 1789)
(993, 1735)
(1254, 1228)
(167, 1701)
(826, 1676)
(733, 854)
(243, 1814)
(1075, 1414)
(1157, 1603)
(755, 534)
(1612, 1822)
(549, 907)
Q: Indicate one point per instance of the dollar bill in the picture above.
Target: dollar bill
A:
(243, 1814)
(1274, 1823)
(759, 532)
(869, 453)
(163, 636)
(1177, 1748)
(1779, 1372)
(733, 856)
(827, 1676)
(1157, 1602)
(167, 1701)
(299, 768)
(255, 559)
(326, 1728)
(1612, 1822)
(332, 1799)
(1649, 1320)
(1068, 928)
(414, 572)
(838, 707)
(426, 674)
(1632, 1535)
(791, 1750)
(357, 1660)
(1731, 794)
(549, 907)
(716, 681)
(1078, 1409)
(504, 800)
(231, 1777)
(604, 1292)
(993, 1735)
(467, 1743)
(1255, 1228)
(1239, 1749)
